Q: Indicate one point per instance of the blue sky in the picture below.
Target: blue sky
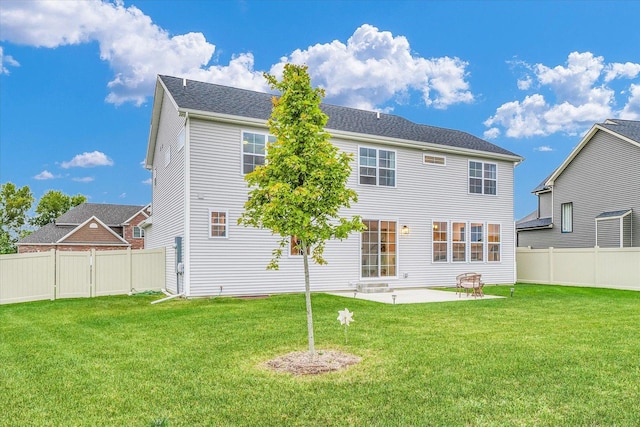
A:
(77, 78)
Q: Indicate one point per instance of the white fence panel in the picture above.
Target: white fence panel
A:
(148, 269)
(112, 272)
(73, 274)
(27, 277)
(617, 268)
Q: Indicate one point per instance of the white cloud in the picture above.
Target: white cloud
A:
(6, 60)
(631, 110)
(543, 148)
(147, 181)
(525, 84)
(88, 160)
(572, 97)
(44, 175)
(83, 179)
(492, 133)
(375, 66)
(372, 68)
(122, 195)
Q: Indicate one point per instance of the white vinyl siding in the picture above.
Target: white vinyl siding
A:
(238, 263)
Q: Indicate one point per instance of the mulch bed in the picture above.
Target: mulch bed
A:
(302, 363)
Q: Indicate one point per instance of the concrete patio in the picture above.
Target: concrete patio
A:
(412, 296)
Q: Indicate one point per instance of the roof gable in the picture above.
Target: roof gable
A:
(626, 130)
(92, 231)
(211, 100)
(110, 214)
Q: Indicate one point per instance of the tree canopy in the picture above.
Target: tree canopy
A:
(14, 205)
(53, 204)
(303, 184)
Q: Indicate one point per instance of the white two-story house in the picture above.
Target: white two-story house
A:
(436, 202)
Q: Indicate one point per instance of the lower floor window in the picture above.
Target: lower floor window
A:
(379, 249)
(469, 242)
(218, 223)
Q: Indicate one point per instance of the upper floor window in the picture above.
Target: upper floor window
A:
(377, 167)
(294, 247)
(138, 232)
(254, 150)
(566, 217)
(431, 159)
(181, 139)
(483, 178)
(167, 156)
(218, 224)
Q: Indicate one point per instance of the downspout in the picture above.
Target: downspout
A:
(186, 262)
(169, 297)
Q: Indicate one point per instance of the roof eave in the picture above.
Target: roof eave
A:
(361, 137)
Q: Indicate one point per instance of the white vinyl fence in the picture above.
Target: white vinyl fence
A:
(69, 274)
(617, 268)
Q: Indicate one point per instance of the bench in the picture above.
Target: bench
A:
(469, 282)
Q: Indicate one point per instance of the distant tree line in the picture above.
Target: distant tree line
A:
(15, 219)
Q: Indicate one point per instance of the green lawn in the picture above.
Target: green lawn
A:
(549, 356)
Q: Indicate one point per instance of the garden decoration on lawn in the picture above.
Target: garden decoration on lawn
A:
(345, 317)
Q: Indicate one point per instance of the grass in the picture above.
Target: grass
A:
(549, 356)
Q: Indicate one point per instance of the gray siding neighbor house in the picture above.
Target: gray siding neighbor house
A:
(437, 202)
(593, 197)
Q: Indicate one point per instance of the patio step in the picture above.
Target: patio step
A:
(369, 288)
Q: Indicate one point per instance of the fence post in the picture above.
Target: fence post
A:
(596, 266)
(551, 267)
(92, 273)
(130, 267)
(52, 267)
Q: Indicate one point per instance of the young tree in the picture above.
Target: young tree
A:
(14, 204)
(302, 186)
(53, 204)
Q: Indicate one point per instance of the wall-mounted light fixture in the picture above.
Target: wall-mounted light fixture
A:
(405, 230)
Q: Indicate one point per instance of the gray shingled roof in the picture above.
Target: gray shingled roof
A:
(535, 223)
(208, 97)
(628, 128)
(613, 214)
(111, 215)
(50, 233)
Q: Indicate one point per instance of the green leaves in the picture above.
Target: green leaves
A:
(302, 186)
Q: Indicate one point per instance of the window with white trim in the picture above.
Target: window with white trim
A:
(254, 150)
(458, 242)
(181, 139)
(138, 232)
(476, 242)
(377, 167)
(493, 243)
(566, 217)
(430, 159)
(218, 224)
(440, 241)
(483, 178)
(167, 156)
(379, 249)
(294, 247)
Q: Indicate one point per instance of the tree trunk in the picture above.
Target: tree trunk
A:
(307, 294)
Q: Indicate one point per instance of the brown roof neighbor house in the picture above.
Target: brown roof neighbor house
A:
(91, 226)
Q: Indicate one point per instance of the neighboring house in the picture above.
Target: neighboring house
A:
(90, 226)
(593, 198)
(437, 202)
